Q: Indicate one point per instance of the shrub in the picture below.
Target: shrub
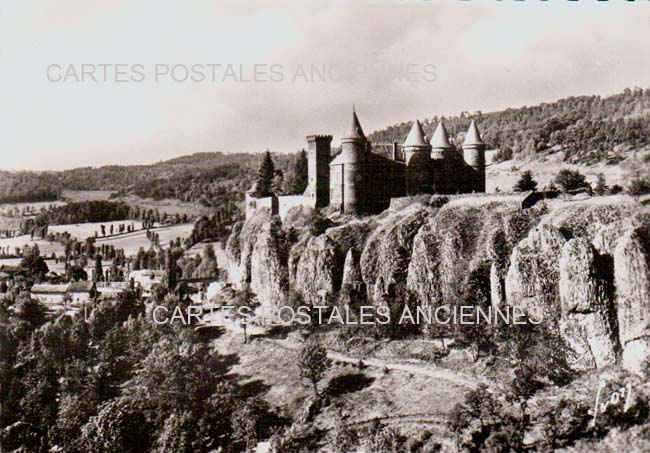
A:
(569, 180)
(639, 187)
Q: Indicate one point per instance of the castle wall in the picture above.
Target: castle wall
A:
(289, 201)
(336, 186)
(252, 204)
(276, 205)
(419, 173)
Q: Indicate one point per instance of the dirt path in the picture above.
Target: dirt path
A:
(423, 369)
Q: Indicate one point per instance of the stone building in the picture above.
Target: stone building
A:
(359, 181)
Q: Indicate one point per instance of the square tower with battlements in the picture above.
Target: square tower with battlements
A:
(318, 156)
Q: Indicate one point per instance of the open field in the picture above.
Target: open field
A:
(167, 205)
(46, 247)
(85, 195)
(82, 231)
(131, 242)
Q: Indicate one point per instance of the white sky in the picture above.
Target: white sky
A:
(487, 54)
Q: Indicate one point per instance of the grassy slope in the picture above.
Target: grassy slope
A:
(504, 175)
(270, 366)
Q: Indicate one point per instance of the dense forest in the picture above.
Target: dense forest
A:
(28, 187)
(86, 211)
(588, 129)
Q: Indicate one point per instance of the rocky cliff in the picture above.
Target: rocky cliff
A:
(584, 264)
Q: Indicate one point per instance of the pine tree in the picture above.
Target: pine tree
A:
(265, 176)
(601, 185)
(99, 274)
(525, 182)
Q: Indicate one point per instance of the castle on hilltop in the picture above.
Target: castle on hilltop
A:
(358, 181)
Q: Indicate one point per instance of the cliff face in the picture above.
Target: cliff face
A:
(632, 277)
(584, 265)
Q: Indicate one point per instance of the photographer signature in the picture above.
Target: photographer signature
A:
(615, 399)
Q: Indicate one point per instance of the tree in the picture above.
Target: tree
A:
(33, 264)
(248, 423)
(30, 311)
(300, 173)
(265, 176)
(525, 182)
(119, 427)
(99, 273)
(601, 185)
(244, 304)
(313, 363)
(570, 180)
(208, 266)
(77, 273)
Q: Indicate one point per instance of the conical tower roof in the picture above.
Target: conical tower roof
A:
(440, 137)
(473, 137)
(355, 129)
(416, 136)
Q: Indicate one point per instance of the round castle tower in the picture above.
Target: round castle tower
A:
(417, 154)
(474, 155)
(443, 178)
(353, 153)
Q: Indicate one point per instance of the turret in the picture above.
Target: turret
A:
(474, 155)
(440, 145)
(444, 176)
(417, 154)
(353, 155)
(318, 156)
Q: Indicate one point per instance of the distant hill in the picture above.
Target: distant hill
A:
(208, 177)
(586, 129)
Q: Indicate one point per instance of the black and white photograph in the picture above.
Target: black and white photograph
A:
(296, 226)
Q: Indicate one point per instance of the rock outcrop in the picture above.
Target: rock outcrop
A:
(269, 277)
(632, 277)
(532, 282)
(587, 321)
(583, 266)
(388, 250)
(318, 270)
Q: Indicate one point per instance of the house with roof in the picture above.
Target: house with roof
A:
(49, 293)
(81, 292)
(110, 290)
(145, 279)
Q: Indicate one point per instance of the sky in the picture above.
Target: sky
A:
(90, 83)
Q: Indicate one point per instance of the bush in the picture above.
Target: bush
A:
(319, 224)
(570, 180)
(502, 155)
(639, 187)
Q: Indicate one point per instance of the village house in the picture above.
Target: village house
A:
(145, 279)
(81, 292)
(111, 290)
(49, 293)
